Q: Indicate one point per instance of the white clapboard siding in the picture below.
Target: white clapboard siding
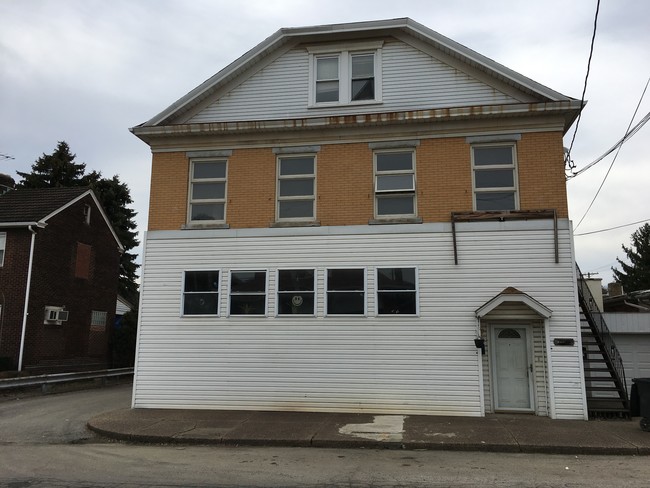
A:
(397, 364)
(412, 80)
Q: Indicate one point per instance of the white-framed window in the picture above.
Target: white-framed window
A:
(494, 173)
(345, 74)
(397, 291)
(207, 191)
(327, 78)
(201, 292)
(395, 194)
(296, 188)
(98, 318)
(346, 291)
(3, 245)
(296, 292)
(248, 292)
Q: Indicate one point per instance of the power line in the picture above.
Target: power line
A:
(611, 228)
(614, 159)
(584, 89)
(628, 135)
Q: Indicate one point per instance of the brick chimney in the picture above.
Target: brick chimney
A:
(615, 289)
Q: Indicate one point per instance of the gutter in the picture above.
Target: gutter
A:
(22, 224)
(27, 289)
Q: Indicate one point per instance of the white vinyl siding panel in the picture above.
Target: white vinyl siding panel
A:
(390, 364)
(411, 80)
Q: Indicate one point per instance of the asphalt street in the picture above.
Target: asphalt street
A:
(44, 443)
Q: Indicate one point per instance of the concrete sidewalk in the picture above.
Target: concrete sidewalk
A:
(497, 433)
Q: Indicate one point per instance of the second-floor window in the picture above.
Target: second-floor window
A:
(495, 177)
(208, 191)
(395, 184)
(296, 188)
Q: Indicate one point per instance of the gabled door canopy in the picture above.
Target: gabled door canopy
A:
(512, 295)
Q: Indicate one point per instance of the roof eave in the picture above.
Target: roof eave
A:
(568, 109)
(8, 225)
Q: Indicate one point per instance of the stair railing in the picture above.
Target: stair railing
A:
(595, 318)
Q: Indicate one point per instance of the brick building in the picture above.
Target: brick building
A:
(60, 255)
(344, 217)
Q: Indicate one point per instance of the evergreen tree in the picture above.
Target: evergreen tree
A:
(56, 169)
(59, 169)
(115, 198)
(636, 275)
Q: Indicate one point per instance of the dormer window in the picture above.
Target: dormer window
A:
(345, 74)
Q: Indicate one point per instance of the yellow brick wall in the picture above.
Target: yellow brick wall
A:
(169, 185)
(345, 182)
(542, 184)
(444, 178)
(251, 188)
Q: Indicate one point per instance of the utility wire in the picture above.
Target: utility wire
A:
(614, 159)
(611, 228)
(584, 89)
(628, 135)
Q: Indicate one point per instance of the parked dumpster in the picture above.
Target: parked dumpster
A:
(640, 400)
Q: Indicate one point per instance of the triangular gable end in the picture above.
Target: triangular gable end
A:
(512, 295)
(99, 207)
(405, 29)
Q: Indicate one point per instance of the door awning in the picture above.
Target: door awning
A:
(512, 295)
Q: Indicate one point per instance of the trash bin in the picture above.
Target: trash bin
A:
(642, 400)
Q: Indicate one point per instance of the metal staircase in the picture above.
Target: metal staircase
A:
(604, 374)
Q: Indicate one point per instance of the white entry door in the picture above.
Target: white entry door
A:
(512, 370)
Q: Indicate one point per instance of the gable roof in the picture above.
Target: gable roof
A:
(512, 295)
(34, 206)
(398, 27)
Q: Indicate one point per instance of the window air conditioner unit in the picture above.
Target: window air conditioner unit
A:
(55, 315)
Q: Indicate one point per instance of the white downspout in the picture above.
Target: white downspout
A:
(29, 281)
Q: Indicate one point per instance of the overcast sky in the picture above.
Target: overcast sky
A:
(85, 71)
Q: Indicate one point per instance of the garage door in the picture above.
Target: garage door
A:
(635, 351)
